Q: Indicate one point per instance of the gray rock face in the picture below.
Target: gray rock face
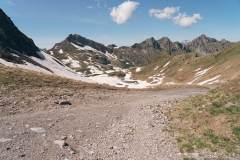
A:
(111, 47)
(148, 43)
(172, 47)
(204, 45)
(140, 53)
(147, 51)
(137, 55)
(12, 40)
(82, 41)
(143, 53)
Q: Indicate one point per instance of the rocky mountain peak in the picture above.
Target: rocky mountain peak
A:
(164, 39)
(148, 43)
(172, 47)
(224, 41)
(150, 40)
(205, 45)
(75, 38)
(203, 36)
(204, 39)
(82, 41)
(112, 47)
(165, 42)
(12, 40)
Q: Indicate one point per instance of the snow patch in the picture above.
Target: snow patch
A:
(157, 79)
(211, 81)
(111, 56)
(95, 70)
(138, 69)
(60, 51)
(72, 62)
(127, 81)
(166, 64)
(85, 62)
(162, 70)
(199, 74)
(156, 68)
(197, 69)
(85, 48)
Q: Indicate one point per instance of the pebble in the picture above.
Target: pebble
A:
(79, 131)
(38, 130)
(71, 150)
(61, 143)
(22, 155)
(65, 103)
(2, 140)
(63, 137)
(51, 124)
(71, 136)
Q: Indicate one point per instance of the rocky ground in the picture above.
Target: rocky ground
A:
(88, 124)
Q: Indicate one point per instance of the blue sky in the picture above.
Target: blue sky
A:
(50, 21)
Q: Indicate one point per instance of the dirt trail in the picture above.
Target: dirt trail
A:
(114, 125)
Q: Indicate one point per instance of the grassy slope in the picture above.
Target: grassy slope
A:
(226, 64)
(210, 121)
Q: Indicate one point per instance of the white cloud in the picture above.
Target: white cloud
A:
(122, 13)
(165, 13)
(174, 14)
(185, 20)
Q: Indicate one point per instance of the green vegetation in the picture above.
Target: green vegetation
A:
(210, 121)
(236, 132)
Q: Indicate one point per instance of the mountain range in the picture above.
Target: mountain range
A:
(143, 64)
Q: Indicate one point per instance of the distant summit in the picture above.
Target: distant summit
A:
(82, 41)
(204, 45)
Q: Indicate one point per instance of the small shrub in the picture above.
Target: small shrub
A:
(211, 136)
(236, 132)
(234, 109)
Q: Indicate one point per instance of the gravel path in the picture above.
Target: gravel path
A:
(101, 125)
